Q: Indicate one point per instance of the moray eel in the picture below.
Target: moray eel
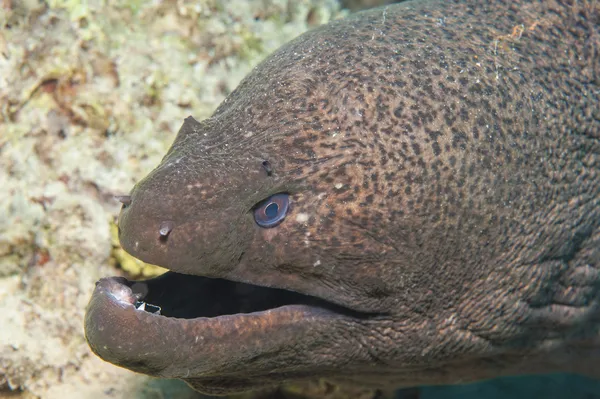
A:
(408, 196)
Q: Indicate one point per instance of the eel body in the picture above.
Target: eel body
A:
(408, 196)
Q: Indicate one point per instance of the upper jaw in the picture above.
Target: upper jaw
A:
(220, 348)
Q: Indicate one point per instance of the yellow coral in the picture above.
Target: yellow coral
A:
(128, 263)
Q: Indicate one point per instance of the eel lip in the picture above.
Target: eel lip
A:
(207, 327)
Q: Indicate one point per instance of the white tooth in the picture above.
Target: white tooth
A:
(142, 306)
(154, 309)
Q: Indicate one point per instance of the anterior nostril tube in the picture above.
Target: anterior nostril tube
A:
(165, 229)
(124, 199)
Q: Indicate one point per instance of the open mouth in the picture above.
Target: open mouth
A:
(184, 326)
(188, 297)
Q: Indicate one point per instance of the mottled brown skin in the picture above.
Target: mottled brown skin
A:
(442, 160)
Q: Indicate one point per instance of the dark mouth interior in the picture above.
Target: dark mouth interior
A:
(184, 296)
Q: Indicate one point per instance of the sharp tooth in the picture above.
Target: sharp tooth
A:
(153, 309)
(147, 307)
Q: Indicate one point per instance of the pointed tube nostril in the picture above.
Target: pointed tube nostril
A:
(165, 229)
(124, 199)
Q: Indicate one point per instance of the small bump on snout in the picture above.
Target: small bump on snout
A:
(268, 168)
(124, 199)
(165, 229)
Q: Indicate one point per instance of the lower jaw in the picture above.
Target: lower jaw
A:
(207, 328)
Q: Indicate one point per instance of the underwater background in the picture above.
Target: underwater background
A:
(91, 95)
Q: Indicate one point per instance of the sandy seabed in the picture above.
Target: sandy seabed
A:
(91, 96)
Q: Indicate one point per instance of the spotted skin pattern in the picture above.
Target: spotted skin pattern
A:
(442, 160)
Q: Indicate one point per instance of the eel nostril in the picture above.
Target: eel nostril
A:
(124, 199)
(268, 168)
(165, 229)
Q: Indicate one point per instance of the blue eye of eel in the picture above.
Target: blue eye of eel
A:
(272, 211)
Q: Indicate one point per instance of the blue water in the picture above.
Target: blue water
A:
(553, 386)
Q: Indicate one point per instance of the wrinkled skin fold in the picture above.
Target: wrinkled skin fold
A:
(441, 161)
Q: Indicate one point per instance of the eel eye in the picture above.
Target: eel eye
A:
(272, 211)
